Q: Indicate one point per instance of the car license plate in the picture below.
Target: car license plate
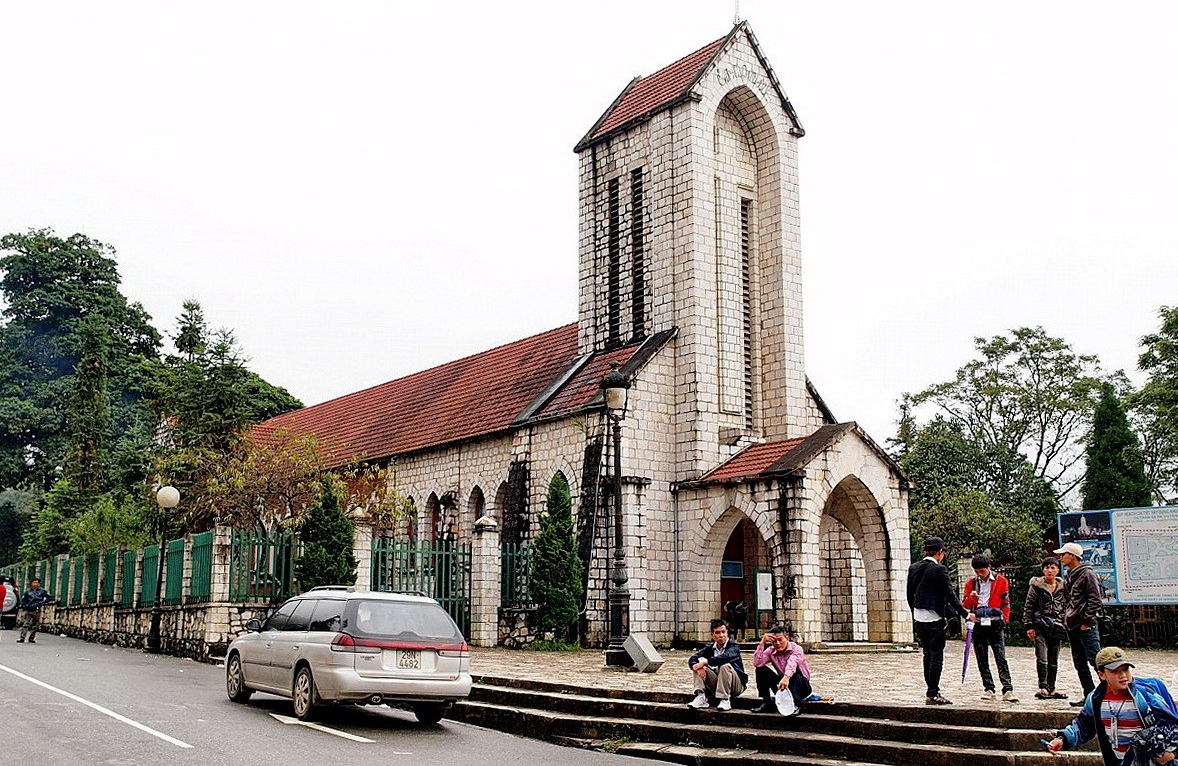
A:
(409, 659)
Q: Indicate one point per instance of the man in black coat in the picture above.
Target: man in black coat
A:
(932, 599)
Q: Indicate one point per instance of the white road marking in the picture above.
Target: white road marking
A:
(99, 708)
(325, 729)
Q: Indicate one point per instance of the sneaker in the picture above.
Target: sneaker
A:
(700, 701)
(1009, 697)
(20, 640)
(988, 695)
(724, 704)
(938, 700)
(32, 640)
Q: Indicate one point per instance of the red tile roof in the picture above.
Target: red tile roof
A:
(469, 397)
(648, 95)
(752, 460)
(585, 386)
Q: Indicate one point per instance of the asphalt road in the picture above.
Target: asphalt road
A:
(125, 708)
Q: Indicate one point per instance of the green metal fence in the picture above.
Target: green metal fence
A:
(440, 570)
(78, 567)
(174, 583)
(51, 582)
(261, 565)
(202, 567)
(64, 596)
(515, 563)
(109, 567)
(93, 560)
(127, 597)
(151, 563)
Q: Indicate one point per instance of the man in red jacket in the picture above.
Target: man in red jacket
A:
(987, 596)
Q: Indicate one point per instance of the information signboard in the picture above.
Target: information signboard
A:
(1134, 551)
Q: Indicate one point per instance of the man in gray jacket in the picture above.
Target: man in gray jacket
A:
(1082, 607)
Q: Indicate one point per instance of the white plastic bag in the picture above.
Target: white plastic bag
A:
(785, 702)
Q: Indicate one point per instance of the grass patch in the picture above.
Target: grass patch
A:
(615, 744)
(554, 646)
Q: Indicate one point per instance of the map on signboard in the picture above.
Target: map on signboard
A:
(1145, 543)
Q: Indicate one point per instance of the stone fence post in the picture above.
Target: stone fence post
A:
(222, 561)
(484, 583)
(362, 550)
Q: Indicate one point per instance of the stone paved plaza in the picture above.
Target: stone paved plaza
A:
(892, 677)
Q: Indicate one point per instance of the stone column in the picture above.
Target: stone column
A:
(222, 552)
(362, 550)
(484, 583)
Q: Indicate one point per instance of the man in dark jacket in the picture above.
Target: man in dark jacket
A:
(35, 598)
(932, 599)
(718, 670)
(1082, 606)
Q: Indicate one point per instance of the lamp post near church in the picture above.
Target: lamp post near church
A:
(615, 387)
(167, 498)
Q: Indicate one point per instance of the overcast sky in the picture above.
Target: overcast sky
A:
(361, 190)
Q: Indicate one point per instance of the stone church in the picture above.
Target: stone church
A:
(737, 480)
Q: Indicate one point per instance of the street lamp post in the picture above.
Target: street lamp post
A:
(167, 498)
(615, 387)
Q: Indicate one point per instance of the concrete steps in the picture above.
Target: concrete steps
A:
(660, 725)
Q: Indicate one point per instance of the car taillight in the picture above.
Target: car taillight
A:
(346, 643)
(461, 650)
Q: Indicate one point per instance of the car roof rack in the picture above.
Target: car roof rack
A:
(346, 588)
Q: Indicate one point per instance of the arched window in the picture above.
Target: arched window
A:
(560, 498)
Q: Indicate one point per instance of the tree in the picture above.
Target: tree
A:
(1156, 406)
(16, 511)
(1115, 475)
(1028, 394)
(88, 413)
(50, 286)
(326, 535)
(555, 579)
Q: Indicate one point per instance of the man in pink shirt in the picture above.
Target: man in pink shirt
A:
(780, 664)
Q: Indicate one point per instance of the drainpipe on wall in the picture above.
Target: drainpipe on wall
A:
(675, 538)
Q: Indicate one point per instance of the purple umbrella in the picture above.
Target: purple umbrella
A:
(968, 644)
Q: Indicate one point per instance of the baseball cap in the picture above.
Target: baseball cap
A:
(1111, 658)
(934, 544)
(1073, 548)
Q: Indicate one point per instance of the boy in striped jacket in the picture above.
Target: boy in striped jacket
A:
(1117, 710)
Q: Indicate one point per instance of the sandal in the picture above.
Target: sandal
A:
(937, 701)
(1057, 696)
(1042, 694)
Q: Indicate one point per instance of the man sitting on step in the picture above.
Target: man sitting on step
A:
(718, 670)
(781, 664)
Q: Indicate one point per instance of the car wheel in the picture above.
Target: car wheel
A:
(429, 712)
(304, 695)
(235, 681)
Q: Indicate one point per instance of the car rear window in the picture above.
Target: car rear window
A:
(329, 613)
(400, 619)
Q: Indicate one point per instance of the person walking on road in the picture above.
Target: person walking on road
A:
(1043, 618)
(1082, 606)
(932, 599)
(781, 664)
(718, 670)
(987, 596)
(32, 601)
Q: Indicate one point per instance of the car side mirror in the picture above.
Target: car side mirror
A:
(254, 626)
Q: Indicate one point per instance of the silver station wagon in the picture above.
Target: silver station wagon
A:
(342, 645)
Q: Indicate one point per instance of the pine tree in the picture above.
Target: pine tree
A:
(555, 580)
(1115, 477)
(88, 414)
(327, 537)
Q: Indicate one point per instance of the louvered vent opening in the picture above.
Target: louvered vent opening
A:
(615, 263)
(746, 297)
(638, 261)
